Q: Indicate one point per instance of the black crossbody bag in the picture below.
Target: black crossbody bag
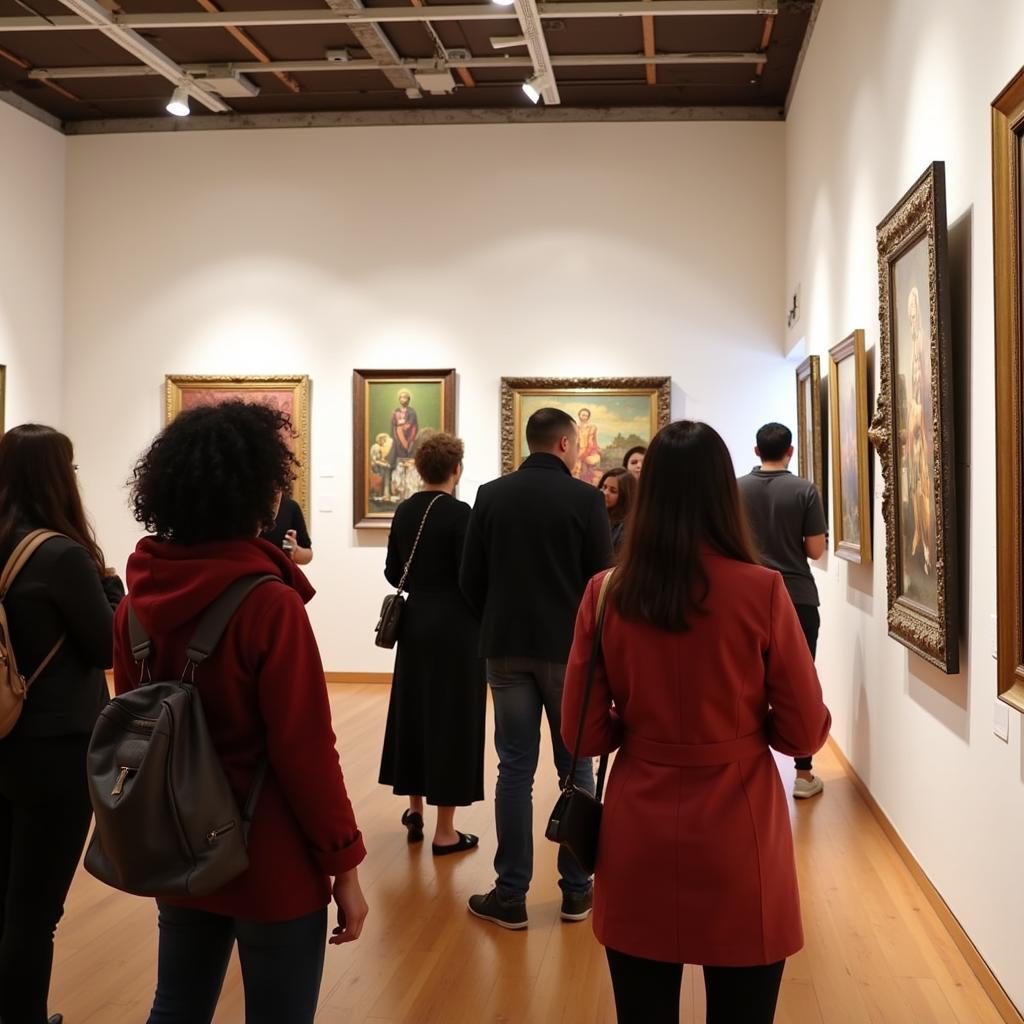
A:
(575, 822)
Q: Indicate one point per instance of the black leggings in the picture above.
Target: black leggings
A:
(44, 819)
(647, 991)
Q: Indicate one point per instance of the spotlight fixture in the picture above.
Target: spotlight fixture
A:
(534, 87)
(178, 105)
(507, 42)
(505, 3)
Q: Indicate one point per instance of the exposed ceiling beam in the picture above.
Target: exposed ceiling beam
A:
(141, 49)
(306, 66)
(650, 49)
(372, 39)
(325, 16)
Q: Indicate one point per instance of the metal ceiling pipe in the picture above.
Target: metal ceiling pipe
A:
(100, 18)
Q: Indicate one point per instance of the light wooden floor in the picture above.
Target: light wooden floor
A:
(875, 950)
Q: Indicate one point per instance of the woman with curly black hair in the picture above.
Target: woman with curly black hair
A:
(206, 488)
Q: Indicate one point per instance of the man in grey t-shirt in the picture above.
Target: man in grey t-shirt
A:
(788, 521)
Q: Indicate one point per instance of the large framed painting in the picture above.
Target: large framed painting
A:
(1008, 213)
(913, 425)
(289, 394)
(848, 414)
(393, 410)
(810, 435)
(614, 414)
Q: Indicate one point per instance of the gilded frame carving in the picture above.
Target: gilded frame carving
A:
(658, 391)
(852, 550)
(177, 388)
(931, 632)
(1008, 239)
(810, 459)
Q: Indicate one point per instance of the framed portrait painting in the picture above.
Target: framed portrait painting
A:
(1008, 214)
(288, 394)
(393, 410)
(848, 414)
(613, 414)
(913, 426)
(810, 436)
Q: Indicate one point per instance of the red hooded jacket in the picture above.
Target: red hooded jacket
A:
(263, 692)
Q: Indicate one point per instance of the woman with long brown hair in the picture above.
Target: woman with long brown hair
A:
(619, 489)
(703, 668)
(60, 606)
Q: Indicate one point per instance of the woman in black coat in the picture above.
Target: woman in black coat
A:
(434, 743)
(64, 593)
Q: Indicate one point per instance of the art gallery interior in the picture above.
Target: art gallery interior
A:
(711, 227)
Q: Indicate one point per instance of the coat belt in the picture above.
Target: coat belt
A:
(695, 755)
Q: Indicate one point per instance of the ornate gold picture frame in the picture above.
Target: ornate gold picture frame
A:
(851, 483)
(392, 411)
(810, 432)
(289, 394)
(614, 414)
(913, 425)
(1008, 237)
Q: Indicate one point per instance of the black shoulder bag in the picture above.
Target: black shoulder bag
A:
(575, 821)
(391, 610)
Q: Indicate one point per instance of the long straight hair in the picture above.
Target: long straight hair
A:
(619, 512)
(687, 500)
(38, 488)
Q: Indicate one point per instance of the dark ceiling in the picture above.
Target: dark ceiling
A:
(754, 58)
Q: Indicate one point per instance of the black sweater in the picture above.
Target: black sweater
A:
(60, 591)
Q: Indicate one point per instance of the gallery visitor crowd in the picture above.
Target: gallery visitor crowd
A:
(660, 610)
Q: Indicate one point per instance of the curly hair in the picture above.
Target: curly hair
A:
(438, 456)
(214, 473)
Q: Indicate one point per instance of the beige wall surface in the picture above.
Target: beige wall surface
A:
(886, 89)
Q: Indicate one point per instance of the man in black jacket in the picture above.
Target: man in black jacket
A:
(534, 540)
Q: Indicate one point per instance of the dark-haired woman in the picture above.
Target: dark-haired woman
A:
(63, 596)
(618, 487)
(205, 489)
(434, 742)
(704, 668)
(633, 460)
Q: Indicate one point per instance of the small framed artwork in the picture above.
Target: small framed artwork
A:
(1008, 216)
(810, 437)
(393, 410)
(288, 394)
(613, 414)
(913, 425)
(848, 414)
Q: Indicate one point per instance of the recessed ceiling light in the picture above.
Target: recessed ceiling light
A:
(178, 105)
(505, 3)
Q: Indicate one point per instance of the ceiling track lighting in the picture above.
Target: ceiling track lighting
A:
(504, 3)
(534, 87)
(507, 42)
(178, 104)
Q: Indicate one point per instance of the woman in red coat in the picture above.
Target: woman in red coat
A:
(205, 489)
(704, 667)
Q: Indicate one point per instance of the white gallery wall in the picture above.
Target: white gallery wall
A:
(601, 250)
(886, 89)
(32, 164)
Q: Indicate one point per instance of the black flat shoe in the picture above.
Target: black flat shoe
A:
(413, 821)
(466, 842)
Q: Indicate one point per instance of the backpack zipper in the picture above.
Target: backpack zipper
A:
(215, 834)
(122, 775)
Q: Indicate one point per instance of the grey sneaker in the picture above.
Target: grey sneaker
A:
(804, 789)
(577, 906)
(491, 907)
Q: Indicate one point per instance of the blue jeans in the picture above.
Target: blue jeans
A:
(523, 689)
(282, 962)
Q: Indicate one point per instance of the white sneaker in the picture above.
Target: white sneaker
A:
(805, 788)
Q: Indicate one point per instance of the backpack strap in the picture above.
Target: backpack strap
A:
(25, 549)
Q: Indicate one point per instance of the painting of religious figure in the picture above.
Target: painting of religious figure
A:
(612, 414)
(393, 411)
(810, 436)
(851, 498)
(290, 395)
(913, 427)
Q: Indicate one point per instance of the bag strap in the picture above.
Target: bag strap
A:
(595, 656)
(416, 543)
(25, 549)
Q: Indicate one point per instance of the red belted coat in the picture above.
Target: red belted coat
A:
(695, 862)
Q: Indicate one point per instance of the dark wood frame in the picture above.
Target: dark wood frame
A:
(810, 370)
(851, 347)
(1008, 238)
(659, 389)
(921, 213)
(175, 384)
(362, 518)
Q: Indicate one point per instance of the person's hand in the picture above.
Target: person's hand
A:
(290, 543)
(352, 908)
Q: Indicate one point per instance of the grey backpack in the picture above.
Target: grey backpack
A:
(167, 823)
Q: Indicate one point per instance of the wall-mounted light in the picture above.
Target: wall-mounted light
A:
(178, 105)
(534, 87)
